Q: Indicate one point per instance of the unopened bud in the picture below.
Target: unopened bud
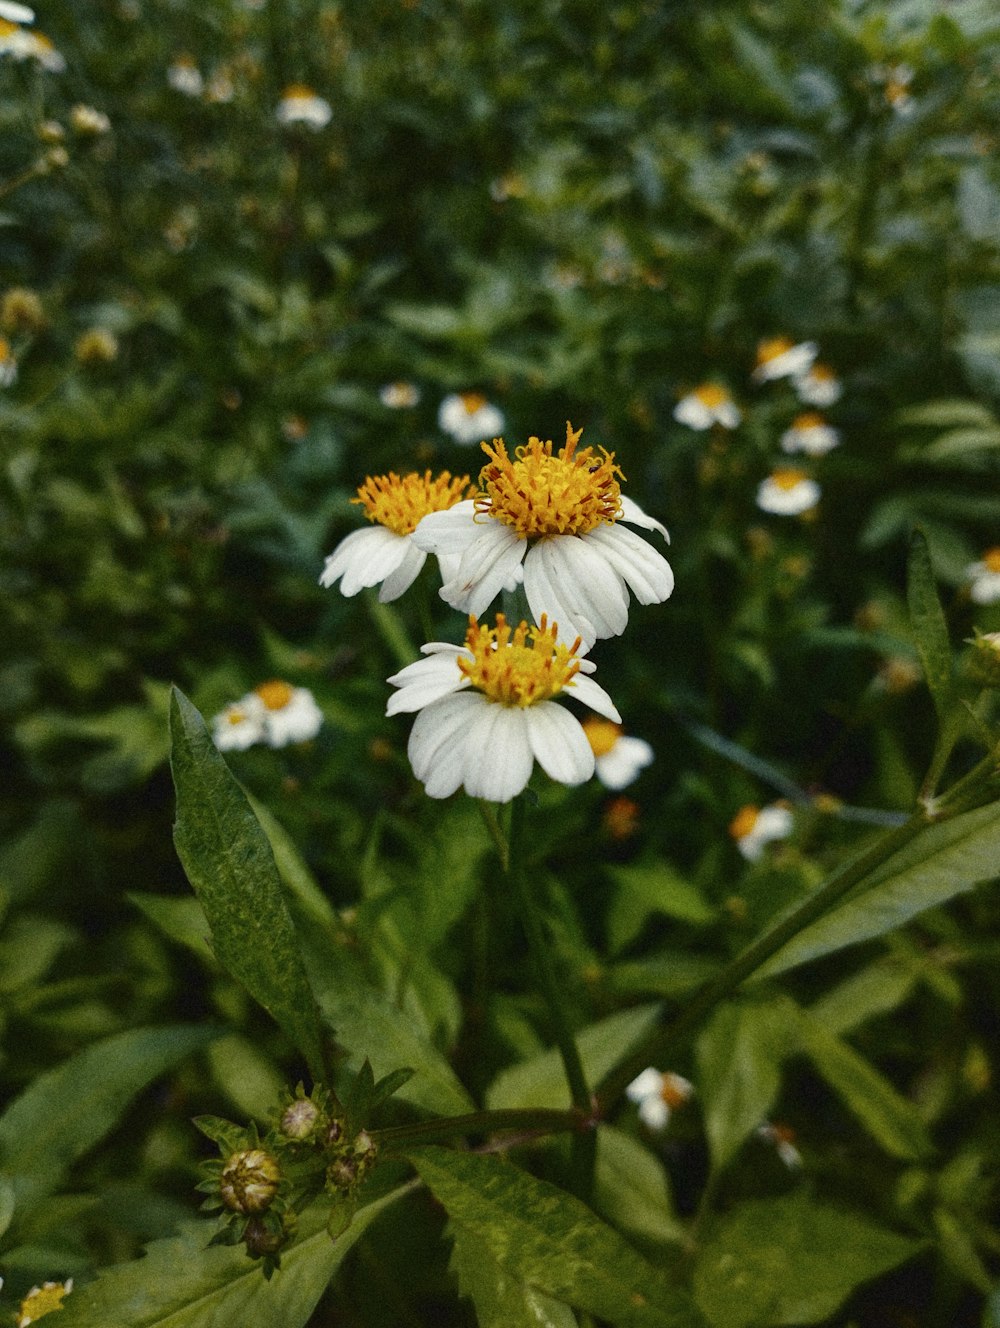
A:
(299, 1119)
(21, 311)
(260, 1240)
(249, 1181)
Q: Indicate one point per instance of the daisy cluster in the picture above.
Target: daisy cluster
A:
(23, 43)
(275, 714)
(553, 525)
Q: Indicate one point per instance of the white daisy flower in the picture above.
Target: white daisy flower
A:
(41, 1301)
(897, 80)
(184, 76)
(984, 577)
(780, 357)
(810, 433)
(559, 515)
(487, 711)
(400, 395)
(707, 405)
(240, 725)
(818, 385)
(753, 828)
(658, 1094)
(783, 1138)
(787, 492)
(469, 418)
(89, 120)
(290, 713)
(8, 364)
(300, 105)
(36, 46)
(386, 552)
(619, 758)
(14, 13)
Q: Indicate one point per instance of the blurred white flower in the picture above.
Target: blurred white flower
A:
(783, 1138)
(787, 492)
(780, 357)
(386, 553)
(220, 88)
(290, 713)
(469, 418)
(89, 120)
(984, 577)
(400, 395)
(184, 76)
(658, 1094)
(240, 725)
(300, 105)
(818, 385)
(810, 433)
(21, 44)
(8, 364)
(14, 13)
(619, 758)
(487, 711)
(753, 828)
(706, 405)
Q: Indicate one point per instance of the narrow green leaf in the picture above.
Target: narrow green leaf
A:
(231, 868)
(930, 631)
(180, 918)
(631, 1189)
(788, 1261)
(501, 1300)
(943, 861)
(184, 1283)
(551, 1241)
(66, 1111)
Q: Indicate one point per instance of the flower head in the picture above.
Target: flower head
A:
(240, 725)
(658, 1094)
(21, 44)
(984, 577)
(487, 710)
(290, 713)
(707, 405)
(787, 492)
(783, 1139)
(753, 828)
(818, 385)
(88, 120)
(557, 515)
(385, 553)
(8, 364)
(184, 76)
(619, 758)
(400, 395)
(781, 357)
(810, 433)
(300, 105)
(469, 418)
(42, 1300)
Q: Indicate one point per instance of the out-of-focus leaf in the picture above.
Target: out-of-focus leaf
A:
(181, 919)
(631, 1189)
(501, 1300)
(930, 630)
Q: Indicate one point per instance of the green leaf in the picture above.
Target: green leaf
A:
(930, 631)
(876, 989)
(788, 1261)
(739, 1056)
(949, 413)
(501, 1300)
(180, 918)
(231, 868)
(888, 1117)
(541, 1081)
(184, 1283)
(66, 1111)
(551, 1241)
(631, 1189)
(943, 861)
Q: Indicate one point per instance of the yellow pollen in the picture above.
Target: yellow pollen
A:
(787, 478)
(298, 92)
(7, 29)
(5, 354)
(772, 348)
(991, 559)
(823, 372)
(518, 667)
(809, 419)
(711, 394)
(399, 502)
(744, 821)
(674, 1091)
(602, 734)
(234, 715)
(540, 494)
(472, 401)
(275, 694)
(41, 1301)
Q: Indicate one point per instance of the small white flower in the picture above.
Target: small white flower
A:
(658, 1094)
(240, 725)
(14, 13)
(20, 44)
(810, 433)
(8, 364)
(818, 386)
(707, 405)
(487, 713)
(560, 516)
(300, 105)
(386, 552)
(400, 395)
(984, 577)
(220, 88)
(787, 492)
(783, 1138)
(753, 828)
(184, 76)
(619, 758)
(469, 418)
(89, 120)
(780, 357)
(290, 713)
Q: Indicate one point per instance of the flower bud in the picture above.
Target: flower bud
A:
(21, 311)
(261, 1240)
(249, 1181)
(983, 661)
(299, 1119)
(96, 346)
(342, 1174)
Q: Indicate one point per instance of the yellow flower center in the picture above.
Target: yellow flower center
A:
(298, 92)
(787, 478)
(400, 502)
(541, 494)
(809, 419)
(41, 1301)
(773, 347)
(744, 821)
(520, 666)
(991, 559)
(602, 734)
(275, 694)
(822, 373)
(5, 354)
(7, 29)
(711, 395)
(472, 402)
(674, 1091)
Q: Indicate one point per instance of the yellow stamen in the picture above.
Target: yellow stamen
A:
(823, 373)
(275, 694)
(602, 734)
(991, 559)
(7, 29)
(744, 821)
(518, 667)
(771, 348)
(809, 419)
(41, 1301)
(399, 502)
(298, 92)
(472, 401)
(540, 494)
(5, 353)
(711, 395)
(787, 478)
(674, 1091)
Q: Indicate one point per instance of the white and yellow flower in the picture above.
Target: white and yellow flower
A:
(290, 713)
(558, 516)
(301, 105)
(21, 44)
(818, 385)
(469, 418)
(658, 1094)
(8, 364)
(386, 552)
(184, 76)
(810, 433)
(781, 357)
(240, 725)
(787, 491)
(783, 1139)
(619, 758)
(706, 405)
(753, 828)
(89, 120)
(399, 395)
(41, 1301)
(984, 577)
(487, 711)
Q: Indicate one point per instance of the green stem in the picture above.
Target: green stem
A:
(390, 628)
(527, 1120)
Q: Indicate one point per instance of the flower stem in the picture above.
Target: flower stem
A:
(523, 1121)
(390, 628)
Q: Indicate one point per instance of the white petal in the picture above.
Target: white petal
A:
(619, 767)
(451, 531)
(654, 1113)
(692, 412)
(592, 694)
(646, 572)
(405, 574)
(559, 743)
(436, 748)
(572, 583)
(364, 558)
(424, 682)
(486, 567)
(647, 1084)
(498, 754)
(635, 516)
